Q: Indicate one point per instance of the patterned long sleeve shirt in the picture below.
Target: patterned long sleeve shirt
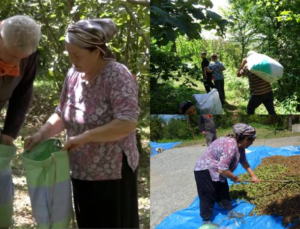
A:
(84, 106)
(222, 154)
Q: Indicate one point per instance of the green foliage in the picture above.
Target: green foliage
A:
(156, 126)
(274, 27)
(167, 65)
(169, 19)
(177, 129)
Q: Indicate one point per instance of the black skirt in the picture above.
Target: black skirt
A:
(109, 203)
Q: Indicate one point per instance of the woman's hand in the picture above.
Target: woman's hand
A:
(255, 179)
(33, 140)
(74, 142)
(235, 179)
(7, 140)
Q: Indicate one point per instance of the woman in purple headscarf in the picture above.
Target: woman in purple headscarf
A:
(217, 164)
(99, 109)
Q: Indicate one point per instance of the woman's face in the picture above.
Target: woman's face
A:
(82, 59)
(247, 142)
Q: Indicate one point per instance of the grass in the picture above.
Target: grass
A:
(263, 132)
(43, 104)
(167, 95)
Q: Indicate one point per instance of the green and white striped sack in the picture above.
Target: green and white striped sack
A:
(49, 184)
(6, 185)
(265, 67)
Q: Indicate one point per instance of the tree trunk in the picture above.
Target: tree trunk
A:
(290, 124)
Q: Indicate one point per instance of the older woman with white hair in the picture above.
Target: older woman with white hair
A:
(19, 39)
(99, 109)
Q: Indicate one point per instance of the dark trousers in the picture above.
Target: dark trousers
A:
(220, 87)
(210, 137)
(107, 204)
(266, 99)
(208, 84)
(211, 192)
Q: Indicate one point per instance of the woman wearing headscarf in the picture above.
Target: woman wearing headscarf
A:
(99, 109)
(217, 164)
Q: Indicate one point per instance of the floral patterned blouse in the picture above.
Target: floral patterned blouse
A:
(222, 154)
(83, 106)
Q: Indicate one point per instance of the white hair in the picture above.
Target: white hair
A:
(21, 32)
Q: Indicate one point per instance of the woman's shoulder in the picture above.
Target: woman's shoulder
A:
(115, 66)
(228, 140)
(116, 71)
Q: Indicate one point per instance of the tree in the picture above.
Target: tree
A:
(169, 19)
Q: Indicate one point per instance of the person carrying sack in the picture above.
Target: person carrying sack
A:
(260, 90)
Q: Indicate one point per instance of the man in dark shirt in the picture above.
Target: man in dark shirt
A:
(208, 127)
(19, 39)
(208, 84)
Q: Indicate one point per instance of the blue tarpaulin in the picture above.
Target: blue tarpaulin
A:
(190, 217)
(165, 146)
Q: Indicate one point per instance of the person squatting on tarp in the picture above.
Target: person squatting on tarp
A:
(207, 76)
(208, 128)
(260, 90)
(216, 68)
(217, 164)
(19, 40)
(99, 109)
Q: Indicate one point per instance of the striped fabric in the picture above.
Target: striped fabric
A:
(6, 186)
(257, 85)
(49, 185)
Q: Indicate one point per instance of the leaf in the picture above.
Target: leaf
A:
(197, 13)
(213, 15)
(62, 38)
(223, 23)
(285, 13)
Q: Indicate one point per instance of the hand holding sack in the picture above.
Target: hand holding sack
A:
(49, 185)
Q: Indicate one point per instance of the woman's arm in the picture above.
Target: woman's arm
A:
(52, 127)
(247, 167)
(230, 175)
(113, 131)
